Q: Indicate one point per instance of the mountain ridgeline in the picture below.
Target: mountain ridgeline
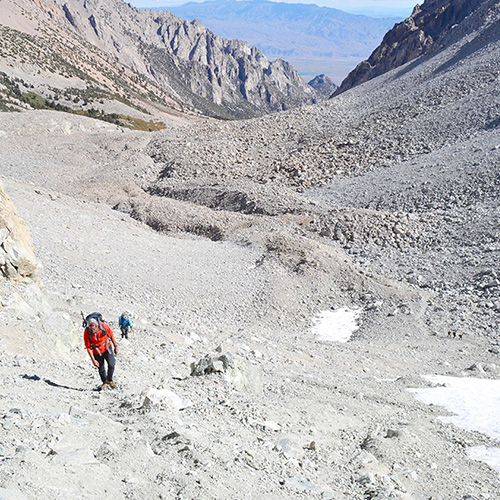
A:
(432, 26)
(315, 40)
(149, 55)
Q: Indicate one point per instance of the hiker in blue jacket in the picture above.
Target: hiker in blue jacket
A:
(125, 325)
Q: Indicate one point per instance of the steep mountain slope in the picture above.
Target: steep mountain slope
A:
(232, 240)
(213, 179)
(315, 418)
(154, 54)
(431, 27)
(313, 39)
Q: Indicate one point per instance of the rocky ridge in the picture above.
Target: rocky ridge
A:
(150, 59)
(431, 27)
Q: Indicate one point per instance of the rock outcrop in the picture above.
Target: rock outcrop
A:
(238, 373)
(425, 31)
(17, 258)
(22, 299)
(323, 85)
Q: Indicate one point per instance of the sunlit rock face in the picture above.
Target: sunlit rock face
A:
(17, 258)
(431, 27)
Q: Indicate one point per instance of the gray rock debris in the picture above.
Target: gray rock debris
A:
(238, 373)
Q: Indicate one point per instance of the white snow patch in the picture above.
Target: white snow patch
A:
(490, 456)
(336, 326)
(476, 404)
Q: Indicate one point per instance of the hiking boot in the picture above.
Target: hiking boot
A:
(103, 386)
(110, 383)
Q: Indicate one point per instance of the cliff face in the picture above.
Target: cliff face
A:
(17, 259)
(230, 73)
(169, 58)
(424, 32)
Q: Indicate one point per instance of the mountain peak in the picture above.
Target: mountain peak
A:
(313, 39)
(427, 30)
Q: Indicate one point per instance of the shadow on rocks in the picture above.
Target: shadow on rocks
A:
(49, 382)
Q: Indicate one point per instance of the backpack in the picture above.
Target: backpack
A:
(96, 315)
(123, 320)
(100, 321)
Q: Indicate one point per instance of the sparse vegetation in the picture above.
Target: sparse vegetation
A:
(138, 124)
(36, 101)
(121, 84)
(12, 99)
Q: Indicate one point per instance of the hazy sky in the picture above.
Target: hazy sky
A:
(347, 5)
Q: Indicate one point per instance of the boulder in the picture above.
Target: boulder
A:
(154, 397)
(237, 372)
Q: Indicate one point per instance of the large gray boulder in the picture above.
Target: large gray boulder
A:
(237, 372)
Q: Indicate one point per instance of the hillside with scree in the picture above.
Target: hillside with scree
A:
(225, 242)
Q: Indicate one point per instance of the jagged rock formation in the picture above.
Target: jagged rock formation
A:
(17, 258)
(323, 84)
(313, 39)
(430, 28)
(163, 58)
(229, 73)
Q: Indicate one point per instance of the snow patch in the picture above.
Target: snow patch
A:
(490, 456)
(336, 326)
(476, 404)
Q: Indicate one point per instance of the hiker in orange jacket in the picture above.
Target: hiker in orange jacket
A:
(98, 339)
